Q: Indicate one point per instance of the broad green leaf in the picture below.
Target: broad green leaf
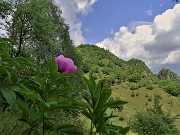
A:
(9, 95)
(50, 103)
(10, 73)
(87, 114)
(90, 87)
(87, 97)
(68, 129)
(52, 68)
(118, 129)
(112, 103)
(66, 103)
(30, 95)
(97, 94)
(105, 95)
(23, 106)
(34, 115)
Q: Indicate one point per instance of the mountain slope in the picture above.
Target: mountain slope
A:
(165, 74)
(105, 65)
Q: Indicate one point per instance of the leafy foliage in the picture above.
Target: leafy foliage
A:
(33, 95)
(99, 61)
(37, 30)
(153, 121)
(171, 87)
(96, 102)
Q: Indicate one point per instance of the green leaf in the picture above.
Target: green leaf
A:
(97, 94)
(117, 129)
(52, 68)
(105, 95)
(30, 95)
(66, 103)
(90, 86)
(124, 130)
(50, 103)
(112, 103)
(23, 106)
(10, 73)
(68, 129)
(9, 95)
(34, 115)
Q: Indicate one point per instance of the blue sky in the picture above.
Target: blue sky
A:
(148, 30)
(109, 15)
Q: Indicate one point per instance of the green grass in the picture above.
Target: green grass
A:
(140, 102)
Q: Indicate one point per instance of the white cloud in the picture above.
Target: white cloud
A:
(173, 57)
(155, 43)
(3, 32)
(70, 9)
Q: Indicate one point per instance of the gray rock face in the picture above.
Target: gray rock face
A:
(166, 74)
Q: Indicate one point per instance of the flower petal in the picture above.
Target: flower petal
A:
(73, 69)
(65, 65)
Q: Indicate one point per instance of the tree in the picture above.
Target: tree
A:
(38, 30)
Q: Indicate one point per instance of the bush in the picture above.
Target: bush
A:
(148, 123)
(137, 94)
(173, 90)
(171, 87)
(133, 86)
(150, 99)
(105, 71)
(134, 78)
(143, 83)
(121, 118)
(154, 121)
(85, 68)
(132, 94)
(150, 87)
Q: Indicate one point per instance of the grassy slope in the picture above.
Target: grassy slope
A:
(123, 90)
(139, 102)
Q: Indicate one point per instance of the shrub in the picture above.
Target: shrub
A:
(132, 94)
(133, 86)
(143, 83)
(85, 68)
(121, 118)
(150, 99)
(173, 90)
(134, 78)
(137, 94)
(105, 71)
(148, 123)
(150, 87)
(153, 121)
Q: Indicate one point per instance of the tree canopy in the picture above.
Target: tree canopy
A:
(37, 29)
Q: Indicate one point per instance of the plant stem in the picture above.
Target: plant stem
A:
(43, 123)
(91, 128)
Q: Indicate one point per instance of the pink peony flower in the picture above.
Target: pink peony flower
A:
(65, 65)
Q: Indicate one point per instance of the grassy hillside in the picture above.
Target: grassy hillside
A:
(130, 80)
(103, 64)
(141, 99)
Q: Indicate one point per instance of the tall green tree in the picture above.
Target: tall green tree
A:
(37, 29)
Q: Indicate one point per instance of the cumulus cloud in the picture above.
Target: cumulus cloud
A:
(70, 9)
(155, 43)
